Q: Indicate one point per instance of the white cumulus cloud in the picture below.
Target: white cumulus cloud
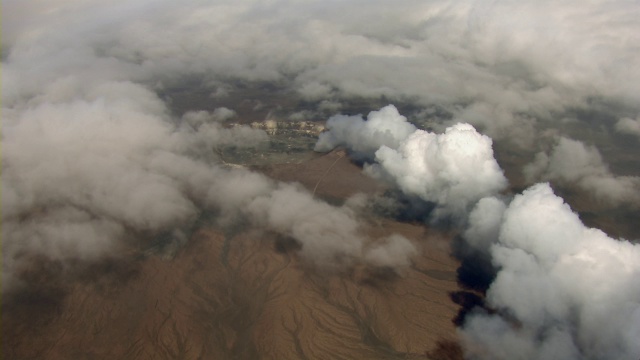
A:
(566, 291)
(454, 169)
(364, 137)
(629, 126)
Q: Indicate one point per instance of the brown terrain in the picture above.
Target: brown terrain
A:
(244, 296)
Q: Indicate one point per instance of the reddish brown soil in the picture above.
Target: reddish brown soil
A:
(248, 297)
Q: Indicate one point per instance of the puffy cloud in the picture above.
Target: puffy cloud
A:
(394, 251)
(88, 153)
(484, 223)
(82, 175)
(572, 162)
(86, 171)
(329, 236)
(222, 114)
(211, 133)
(324, 231)
(454, 169)
(364, 137)
(629, 126)
(567, 291)
(92, 157)
(499, 122)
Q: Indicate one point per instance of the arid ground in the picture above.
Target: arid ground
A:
(244, 295)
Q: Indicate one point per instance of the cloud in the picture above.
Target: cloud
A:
(80, 178)
(208, 130)
(484, 223)
(454, 169)
(223, 114)
(93, 157)
(329, 236)
(86, 171)
(563, 291)
(395, 251)
(91, 153)
(324, 231)
(490, 64)
(82, 175)
(364, 137)
(573, 162)
(629, 126)
(500, 122)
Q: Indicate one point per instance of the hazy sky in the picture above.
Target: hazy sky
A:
(94, 156)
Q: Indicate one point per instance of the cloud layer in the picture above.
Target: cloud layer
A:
(94, 160)
(80, 177)
(490, 64)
